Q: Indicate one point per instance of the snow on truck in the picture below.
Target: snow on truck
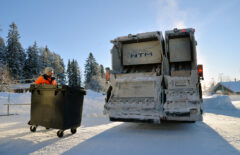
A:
(153, 79)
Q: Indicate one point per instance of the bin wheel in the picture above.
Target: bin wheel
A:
(29, 122)
(73, 130)
(60, 133)
(33, 128)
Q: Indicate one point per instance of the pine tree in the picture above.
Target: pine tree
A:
(94, 75)
(5, 78)
(74, 74)
(91, 69)
(45, 58)
(32, 66)
(2, 52)
(59, 68)
(98, 82)
(62, 74)
(69, 73)
(15, 55)
(102, 73)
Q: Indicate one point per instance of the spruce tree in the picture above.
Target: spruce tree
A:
(15, 55)
(32, 66)
(45, 57)
(94, 75)
(102, 73)
(98, 82)
(5, 77)
(62, 74)
(69, 73)
(91, 69)
(2, 52)
(77, 73)
(4, 74)
(74, 74)
(59, 68)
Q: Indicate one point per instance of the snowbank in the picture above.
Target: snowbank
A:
(93, 104)
(221, 104)
(93, 109)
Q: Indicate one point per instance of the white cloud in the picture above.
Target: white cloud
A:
(169, 15)
(180, 24)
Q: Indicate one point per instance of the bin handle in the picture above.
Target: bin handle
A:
(56, 92)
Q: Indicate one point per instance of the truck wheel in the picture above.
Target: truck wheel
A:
(33, 128)
(73, 130)
(60, 133)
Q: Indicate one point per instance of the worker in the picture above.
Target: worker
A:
(47, 77)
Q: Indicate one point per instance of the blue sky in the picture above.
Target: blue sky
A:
(74, 28)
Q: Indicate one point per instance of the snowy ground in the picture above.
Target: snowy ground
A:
(219, 133)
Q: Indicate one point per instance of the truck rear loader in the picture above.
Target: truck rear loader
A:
(153, 79)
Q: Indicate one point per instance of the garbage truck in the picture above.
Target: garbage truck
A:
(154, 79)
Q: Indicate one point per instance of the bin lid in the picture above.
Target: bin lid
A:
(57, 87)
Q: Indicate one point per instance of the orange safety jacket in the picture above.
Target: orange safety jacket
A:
(108, 77)
(45, 79)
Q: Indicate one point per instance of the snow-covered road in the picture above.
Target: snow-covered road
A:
(219, 133)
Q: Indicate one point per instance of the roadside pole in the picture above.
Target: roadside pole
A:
(8, 103)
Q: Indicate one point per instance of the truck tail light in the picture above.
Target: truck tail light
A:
(107, 74)
(200, 71)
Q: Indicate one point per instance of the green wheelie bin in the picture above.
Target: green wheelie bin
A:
(57, 107)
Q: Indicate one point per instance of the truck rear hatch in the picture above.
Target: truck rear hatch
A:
(135, 97)
(183, 99)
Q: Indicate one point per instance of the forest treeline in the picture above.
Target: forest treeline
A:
(19, 64)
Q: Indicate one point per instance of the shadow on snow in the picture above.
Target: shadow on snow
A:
(170, 138)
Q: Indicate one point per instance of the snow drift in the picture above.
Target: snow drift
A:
(220, 104)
